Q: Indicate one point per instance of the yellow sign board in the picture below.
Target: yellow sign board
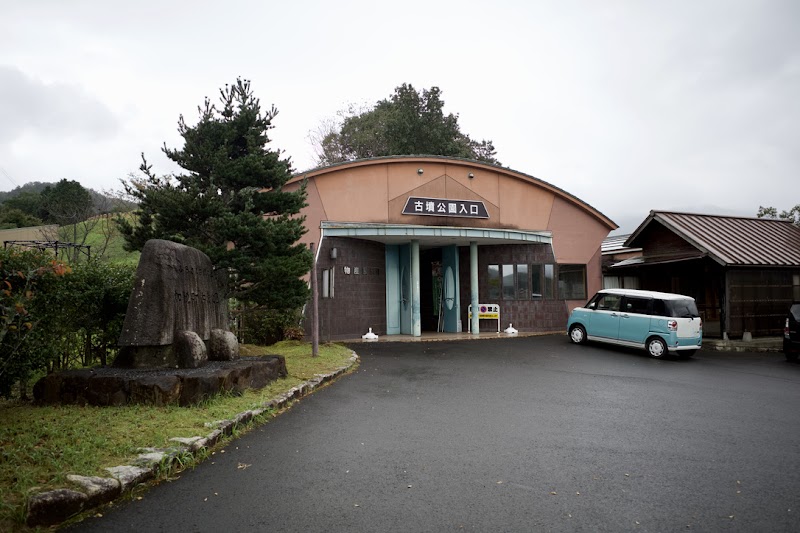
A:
(488, 311)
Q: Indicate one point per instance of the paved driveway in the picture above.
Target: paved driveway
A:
(528, 434)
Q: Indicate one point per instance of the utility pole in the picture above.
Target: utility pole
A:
(314, 305)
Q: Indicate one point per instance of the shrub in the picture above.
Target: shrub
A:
(24, 278)
(266, 327)
(56, 316)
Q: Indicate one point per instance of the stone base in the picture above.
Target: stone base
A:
(186, 386)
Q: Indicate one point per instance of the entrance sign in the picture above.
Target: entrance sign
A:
(485, 312)
(443, 207)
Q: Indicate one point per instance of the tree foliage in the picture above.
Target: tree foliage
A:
(53, 315)
(27, 201)
(16, 218)
(792, 214)
(65, 203)
(406, 123)
(31, 198)
(229, 202)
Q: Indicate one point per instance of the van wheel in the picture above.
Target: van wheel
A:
(577, 334)
(656, 347)
(791, 356)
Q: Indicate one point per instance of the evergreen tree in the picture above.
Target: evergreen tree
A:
(229, 202)
(66, 202)
(407, 123)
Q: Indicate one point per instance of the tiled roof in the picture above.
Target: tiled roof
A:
(732, 240)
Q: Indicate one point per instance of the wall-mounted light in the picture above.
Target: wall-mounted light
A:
(334, 253)
(419, 171)
(470, 175)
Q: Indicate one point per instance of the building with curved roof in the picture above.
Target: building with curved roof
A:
(407, 244)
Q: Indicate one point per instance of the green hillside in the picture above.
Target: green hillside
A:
(105, 234)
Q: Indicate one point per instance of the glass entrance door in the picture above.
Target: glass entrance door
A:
(451, 305)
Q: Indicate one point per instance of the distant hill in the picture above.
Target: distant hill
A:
(103, 203)
(32, 187)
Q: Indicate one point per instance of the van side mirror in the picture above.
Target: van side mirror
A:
(592, 305)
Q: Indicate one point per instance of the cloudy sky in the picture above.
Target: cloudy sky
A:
(689, 105)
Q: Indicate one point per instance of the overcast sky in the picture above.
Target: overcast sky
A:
(688, 105)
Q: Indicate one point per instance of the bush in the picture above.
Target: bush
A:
(266, 327)
(24, 277)
(54, 316)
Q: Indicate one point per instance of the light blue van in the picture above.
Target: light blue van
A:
(659, 322)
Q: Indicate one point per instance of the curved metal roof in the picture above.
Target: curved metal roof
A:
(444, 159)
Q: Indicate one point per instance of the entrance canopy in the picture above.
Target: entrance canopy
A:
(433, 236)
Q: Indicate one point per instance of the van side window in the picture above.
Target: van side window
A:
(659, 308)
(609, 302)
(637, 305)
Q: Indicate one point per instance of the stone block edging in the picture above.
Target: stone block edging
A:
(55, 506)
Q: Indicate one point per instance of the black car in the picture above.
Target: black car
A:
(791, 333)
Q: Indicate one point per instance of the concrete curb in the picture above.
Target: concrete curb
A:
(55, 506)
(754, 346)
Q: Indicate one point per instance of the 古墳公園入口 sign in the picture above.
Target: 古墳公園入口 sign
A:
(442, 207)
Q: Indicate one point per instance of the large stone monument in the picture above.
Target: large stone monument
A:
(175, 346)
(178, 312)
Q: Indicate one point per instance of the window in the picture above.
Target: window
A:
(608, 302)
(508, 282)
(327, 283)
(620, 282)
(572, 282)
(796, 287)
(637, 305)
(659, 308)
(494, 282)
(536, 282)
(522, 282)
(549, 277)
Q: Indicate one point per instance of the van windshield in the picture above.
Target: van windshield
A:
(683, 308)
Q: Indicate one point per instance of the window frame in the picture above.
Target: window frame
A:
(572, 268)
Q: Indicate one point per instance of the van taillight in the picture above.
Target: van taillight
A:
(700, 327)
(672, 325)
(786, 329)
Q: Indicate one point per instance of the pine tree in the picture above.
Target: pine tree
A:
(229, 202)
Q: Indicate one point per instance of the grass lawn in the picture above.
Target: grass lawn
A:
(40, 446)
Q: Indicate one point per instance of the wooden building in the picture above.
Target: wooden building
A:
(743, 272)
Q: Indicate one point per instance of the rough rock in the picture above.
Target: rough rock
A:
(155, 390)
(150, 459)
(107, 390)
(130, 476)
(190, 350)
(176, 289)
(99, 490)
(118, 386)
(55, 506)
(223, 346)
(186, 441)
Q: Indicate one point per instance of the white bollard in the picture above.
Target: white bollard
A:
(369, 336)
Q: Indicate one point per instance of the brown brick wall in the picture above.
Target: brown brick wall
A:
(525, 315)
(359, 300)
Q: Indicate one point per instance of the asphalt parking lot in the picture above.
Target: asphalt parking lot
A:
(521, 434)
